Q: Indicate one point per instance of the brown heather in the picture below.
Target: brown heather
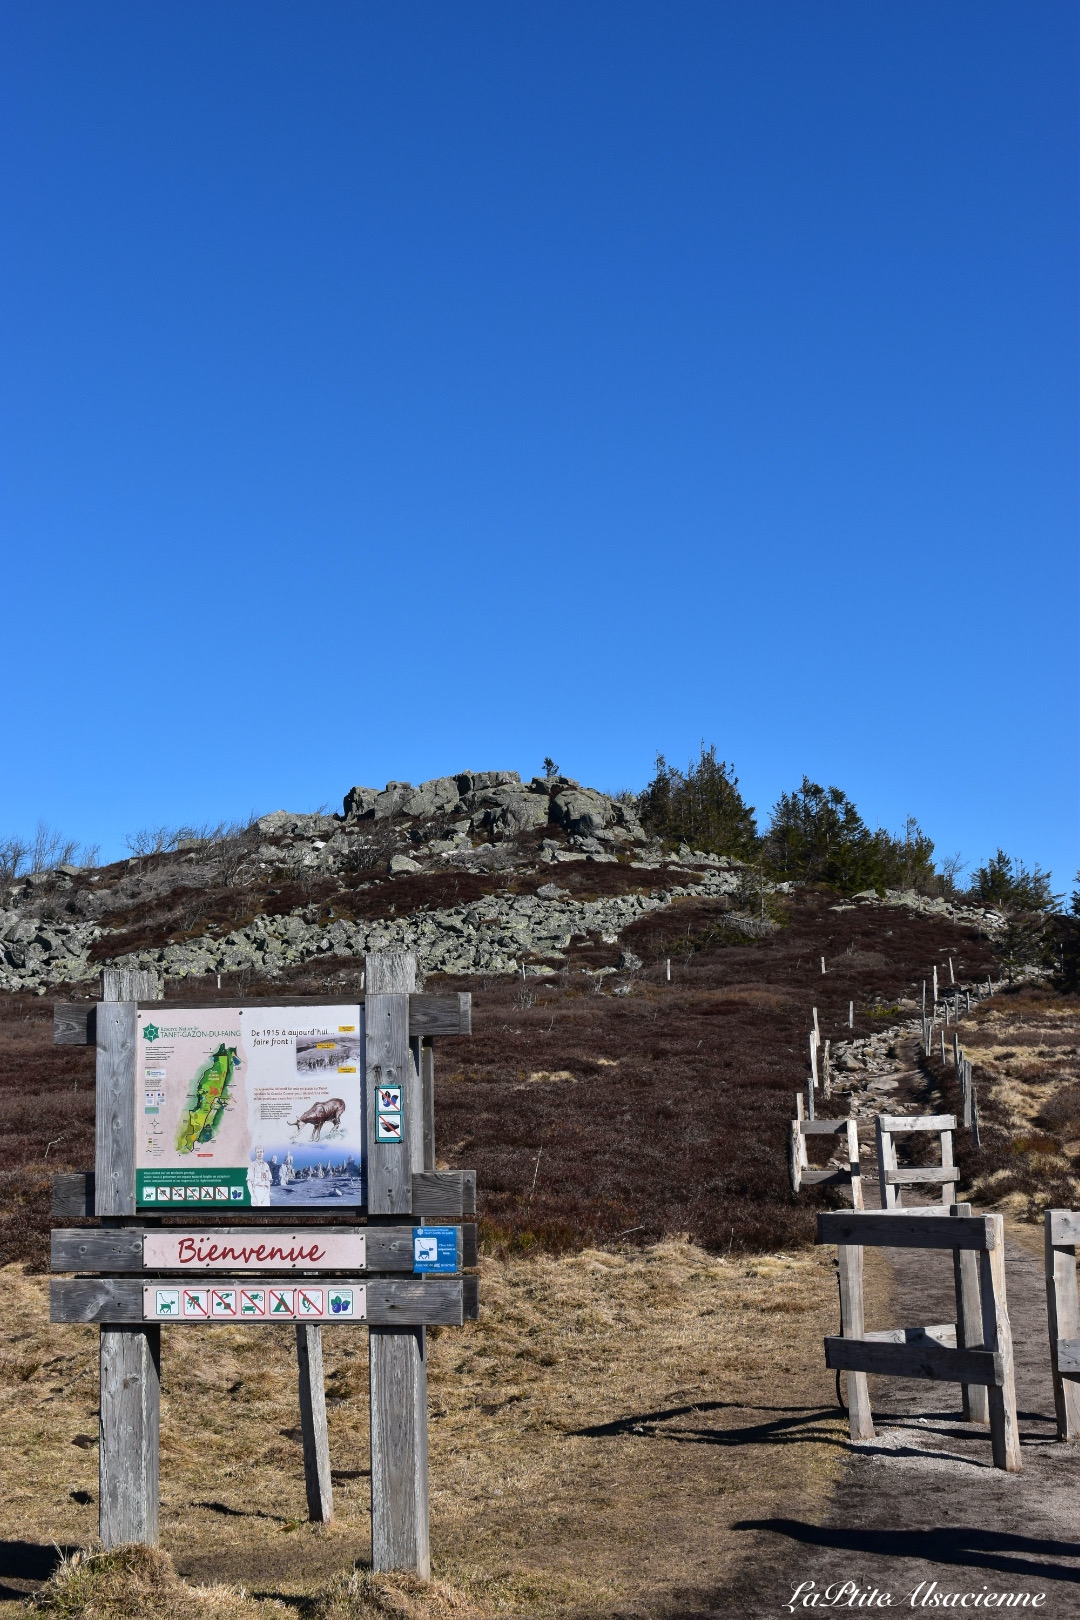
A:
(590, 1118)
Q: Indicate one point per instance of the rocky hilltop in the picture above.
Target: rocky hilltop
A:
(478, 873)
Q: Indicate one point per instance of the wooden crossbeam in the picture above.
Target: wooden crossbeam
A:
(919, 1358)
(389, 1248)
(74, 1022)
(437, 1195)
(903, 1230)
(431, 1301)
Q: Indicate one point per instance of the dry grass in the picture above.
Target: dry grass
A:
(594, 1437)
(129, 1581)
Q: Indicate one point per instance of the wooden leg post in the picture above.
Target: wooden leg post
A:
(320, 1491)
(130, 1405)
(849, 1260)
(398, 1356)
(399, 1450)
(130, 1357)
(997, 1335)
(969, 1328)
(1063, 1319)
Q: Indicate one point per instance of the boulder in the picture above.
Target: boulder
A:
(507, 810)
(359, 801)
(439, 797)
(402, 863)
(476, 781)
(582, 810)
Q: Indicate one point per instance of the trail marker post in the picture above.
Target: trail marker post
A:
(355, 1248)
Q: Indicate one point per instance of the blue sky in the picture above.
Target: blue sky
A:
(394, 389)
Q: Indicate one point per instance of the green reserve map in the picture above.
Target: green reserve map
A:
(209, 1097)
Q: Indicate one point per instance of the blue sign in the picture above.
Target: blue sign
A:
(435, 1248)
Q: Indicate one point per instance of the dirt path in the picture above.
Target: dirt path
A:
(923, 1503)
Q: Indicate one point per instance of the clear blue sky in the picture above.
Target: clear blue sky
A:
(390, 389)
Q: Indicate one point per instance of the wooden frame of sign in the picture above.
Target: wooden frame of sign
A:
(144, 1266)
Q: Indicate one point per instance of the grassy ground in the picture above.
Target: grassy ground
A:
(1024, 1044)
(594, 1436)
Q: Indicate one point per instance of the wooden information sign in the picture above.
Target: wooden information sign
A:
(308, 1127)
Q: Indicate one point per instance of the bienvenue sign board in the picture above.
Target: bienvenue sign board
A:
(250, 1107)
(255, 1251)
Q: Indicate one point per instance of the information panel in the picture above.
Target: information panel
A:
(250, 1107)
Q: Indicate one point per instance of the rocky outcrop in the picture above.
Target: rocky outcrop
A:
(984, 918)
(478, 821)
(497, 803)
(499, 934)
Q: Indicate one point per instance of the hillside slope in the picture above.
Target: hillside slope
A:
(598, 1099)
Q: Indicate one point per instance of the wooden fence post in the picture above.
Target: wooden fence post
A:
(976, 1405)
(397, 1356)
(997, 1336)
(849, 1263)
(1063, 1320)
(130, 1357)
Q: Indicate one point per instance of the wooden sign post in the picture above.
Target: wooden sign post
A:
(143, 1265)
(130, 1355)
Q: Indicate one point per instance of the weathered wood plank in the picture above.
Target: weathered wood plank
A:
(886, 1158)
(427, 1096)
(910, 1176)
(399, 1451)
(316, 1439)
(917, 1122)
(974, 1400)
(444, 1195)
(849, 1263)
(437, 1195)
(920, 1360)
(1064, 1225)
(390, 975)
(73, 1021)
(114, 1179)
(130, 1358)
(439, 1015)
(1063, 1317)
(905, 1230)
(391, 1301)
(129, 1404)
(96, 1249)
(397, 1358)
(1068, 1360)
(940, 1333)
(86, 1249)
(997, 1337)
(823, 1127)
(131, 984)
(73, 1195)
